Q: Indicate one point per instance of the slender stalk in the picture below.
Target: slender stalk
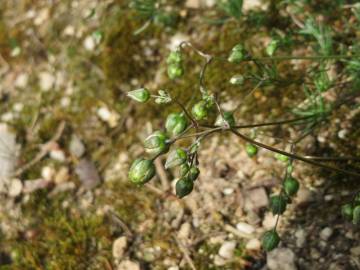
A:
(294, 156)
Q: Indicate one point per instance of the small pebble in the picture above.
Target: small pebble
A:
(227, 249)
(326, 233)
(119, 247)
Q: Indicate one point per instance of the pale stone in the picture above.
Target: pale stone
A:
(245, 228)
(47, 173)
(326, 233)
(119, 247)
(89, 43)
(281, 259)
(128, 265)
(76, 146)
(253, 244)
(46, 81)
(58, 155)
(227, 249)
(15, 188)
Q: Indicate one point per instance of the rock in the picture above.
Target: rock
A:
(46, 81)
(192, 3)
(76, 146)
(245, 228)
(300, 237)
(87, 173)
(62, 175)
(58, 154)
(9, 151)
(21, 80)
(304, 196)
(227, 249)
(184, 231)
(15, 188)
(219, 261)
(111, 118)
(89, 43)
(326, 233)
(255, 199)
(269, 221)
(253, 244)
(128, 265)
(119, 247)
(281, 259)
(173, 268)
(33, 185)
(355, 251)
(47, 173)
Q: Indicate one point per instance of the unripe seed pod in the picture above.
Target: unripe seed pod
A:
(156, 143)
(184, 169)
(193, 173)
(237, 80)
(347, 211)
(175, 124)
(357, 198)
(140, 95)
(238, 54)
(175, 71)
(270, 240)
(278, 204)
(291, 186)
(200, 110)
(356, 215)
(141, 171)
(175, 158)
(251, 149)
(228, 118)
(183, 187)
(281, 157)
(175, 57)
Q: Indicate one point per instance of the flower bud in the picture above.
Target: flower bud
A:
(200, 110)
(175, 158)
(237, 80)
(272, 47)
(175, 124)
(156, 143)
(228, 118)
(193, 173)
(140, 95)
(238, 54)
(270, 240)
(347, 211)
(281, 157)
(183, 187)
(175, 71)
(356, 215)
(278, 204)
(251, 149)
(141, 171)
(184, 169)
(291, 186)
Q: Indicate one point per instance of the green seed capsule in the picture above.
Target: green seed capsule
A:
(183, 187)
(278, 204)
(228, 118)
(175, 158)
(270, 240)
(175, 71)
(357, 198)
(184, 169)
(193, 173)
(200, 110)
(281, 157)
(140, 95)
(291, 186)
(175, 57)
(238, 54)
(347, 211)
(156, 143)
(141, 171)
(175, 124)
(251, 149)
(356, 215)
